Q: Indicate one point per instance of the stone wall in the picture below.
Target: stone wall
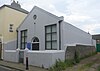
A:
(83, 50)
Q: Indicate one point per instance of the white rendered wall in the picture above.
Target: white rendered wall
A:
(38, 29)
(94, 43)
(45, 58)
(73, 35)
(11, 55)
(11, 45)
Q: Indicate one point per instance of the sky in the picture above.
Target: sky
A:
(84, 14)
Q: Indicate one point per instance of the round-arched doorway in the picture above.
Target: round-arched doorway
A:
(35, 43)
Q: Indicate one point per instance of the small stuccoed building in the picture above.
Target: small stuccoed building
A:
(46, 36)
(97, 38)
(49, 32)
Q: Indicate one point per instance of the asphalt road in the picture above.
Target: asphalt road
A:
(4, 68)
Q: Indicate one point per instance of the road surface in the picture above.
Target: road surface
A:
(2, 68)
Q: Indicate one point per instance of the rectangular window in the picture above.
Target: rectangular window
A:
(23, 39)
(51, 37)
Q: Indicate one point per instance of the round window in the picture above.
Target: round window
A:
(34, 17)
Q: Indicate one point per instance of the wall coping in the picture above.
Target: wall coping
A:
(47, 51)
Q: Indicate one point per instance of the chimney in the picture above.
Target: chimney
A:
(14, 4)
(61, 18)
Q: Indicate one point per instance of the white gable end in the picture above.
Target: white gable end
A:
(36, 27)
(42, 16)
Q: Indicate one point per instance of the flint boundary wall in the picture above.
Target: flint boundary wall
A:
(83, 50)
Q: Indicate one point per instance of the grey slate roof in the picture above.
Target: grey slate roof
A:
(15, 6)
(96, 37)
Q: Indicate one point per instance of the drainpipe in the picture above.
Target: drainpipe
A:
(17, 39)
(60, 21)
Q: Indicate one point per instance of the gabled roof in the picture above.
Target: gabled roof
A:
(50, 14)
(15, 6)
(42, 10)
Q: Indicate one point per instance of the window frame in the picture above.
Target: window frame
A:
(23, 37)
(51, 36)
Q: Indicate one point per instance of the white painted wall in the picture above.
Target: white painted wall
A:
(45, 58)
(94, 43)
(11, 55)
(43, 18)
(11, 45)
(69, 33)
(73, 35)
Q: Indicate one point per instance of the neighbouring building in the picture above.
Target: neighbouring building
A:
(97, 38)
(11, 16)
(44, 37)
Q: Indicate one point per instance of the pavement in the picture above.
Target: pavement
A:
(2, 68)
(19, 66)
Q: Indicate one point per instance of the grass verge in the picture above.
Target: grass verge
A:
(98, 69)
(61, 65)
(85, 66)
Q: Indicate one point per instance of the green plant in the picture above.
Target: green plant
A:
(61, 65)
(76, 57)
(89, 64)
(58, 66)
(69, 62)
(98, 69)
(85, 66)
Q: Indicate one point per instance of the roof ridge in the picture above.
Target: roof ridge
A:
(15, 8)
(49, 13)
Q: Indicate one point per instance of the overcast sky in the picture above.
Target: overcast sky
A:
(84, 14)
